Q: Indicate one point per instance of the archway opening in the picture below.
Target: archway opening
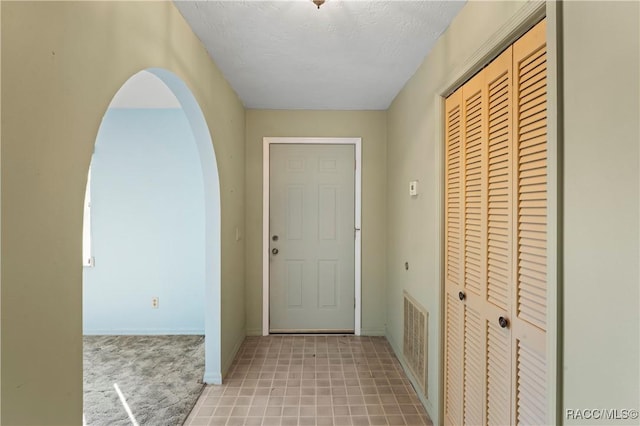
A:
(151, 246)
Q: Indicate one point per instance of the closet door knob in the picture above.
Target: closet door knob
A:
(462, 296)
(504, 323)
(275, 251)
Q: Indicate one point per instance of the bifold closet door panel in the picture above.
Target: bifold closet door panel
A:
(499, 282)
(474, 136)
(530, 303)
(474, 103)
(454, 272)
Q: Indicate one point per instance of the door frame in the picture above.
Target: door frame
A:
(266, 144)
(529, 14)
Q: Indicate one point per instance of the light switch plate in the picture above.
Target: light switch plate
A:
(413, 188)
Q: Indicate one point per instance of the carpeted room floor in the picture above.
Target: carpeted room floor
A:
(159, 377)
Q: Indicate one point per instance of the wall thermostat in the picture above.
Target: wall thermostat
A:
(413, 188)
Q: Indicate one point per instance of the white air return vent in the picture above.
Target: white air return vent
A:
(415, 340)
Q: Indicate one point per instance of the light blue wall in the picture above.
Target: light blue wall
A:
(147, 226)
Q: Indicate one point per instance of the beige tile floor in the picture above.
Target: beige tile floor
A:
(312, 380)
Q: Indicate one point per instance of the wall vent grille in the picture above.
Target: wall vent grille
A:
(415, 340)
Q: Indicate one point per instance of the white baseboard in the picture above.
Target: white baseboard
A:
(143, 332)
(232, 355)
(373, 332)
(363, 332)
(212, 378)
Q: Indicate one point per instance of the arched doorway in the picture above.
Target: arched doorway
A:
(209, 202)
(212, 250)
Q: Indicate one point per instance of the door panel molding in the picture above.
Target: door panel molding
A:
(357, 143)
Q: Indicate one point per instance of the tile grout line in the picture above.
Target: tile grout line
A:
(289, 362)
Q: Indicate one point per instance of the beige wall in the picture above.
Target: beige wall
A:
(61, 65)
(412, 154)
(601, 280)
(371, 127)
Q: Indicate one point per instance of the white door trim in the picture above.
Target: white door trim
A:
(357, 143)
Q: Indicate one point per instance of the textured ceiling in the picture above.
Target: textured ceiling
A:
(290, 55)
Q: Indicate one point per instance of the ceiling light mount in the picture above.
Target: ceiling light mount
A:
(318, 3)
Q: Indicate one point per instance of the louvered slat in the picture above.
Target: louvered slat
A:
(473, 367)
(498, 375)
(531, 385)
(453, 360)
(499, 183)
(473, 137)
(532, 187)
(453, 187)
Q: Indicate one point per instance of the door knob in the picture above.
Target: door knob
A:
(462, 296)
(274, 251)
(274, 238)
(504, 323)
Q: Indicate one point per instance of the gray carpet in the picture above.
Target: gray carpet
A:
(159, 376)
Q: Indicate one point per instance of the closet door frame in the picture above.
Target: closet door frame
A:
(530, 14)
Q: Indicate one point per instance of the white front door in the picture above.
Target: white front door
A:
(311, 236)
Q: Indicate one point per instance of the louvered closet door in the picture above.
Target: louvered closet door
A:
(530, 303)
(499, 83)
(454, 271)
(474, 171)
(495, 247)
